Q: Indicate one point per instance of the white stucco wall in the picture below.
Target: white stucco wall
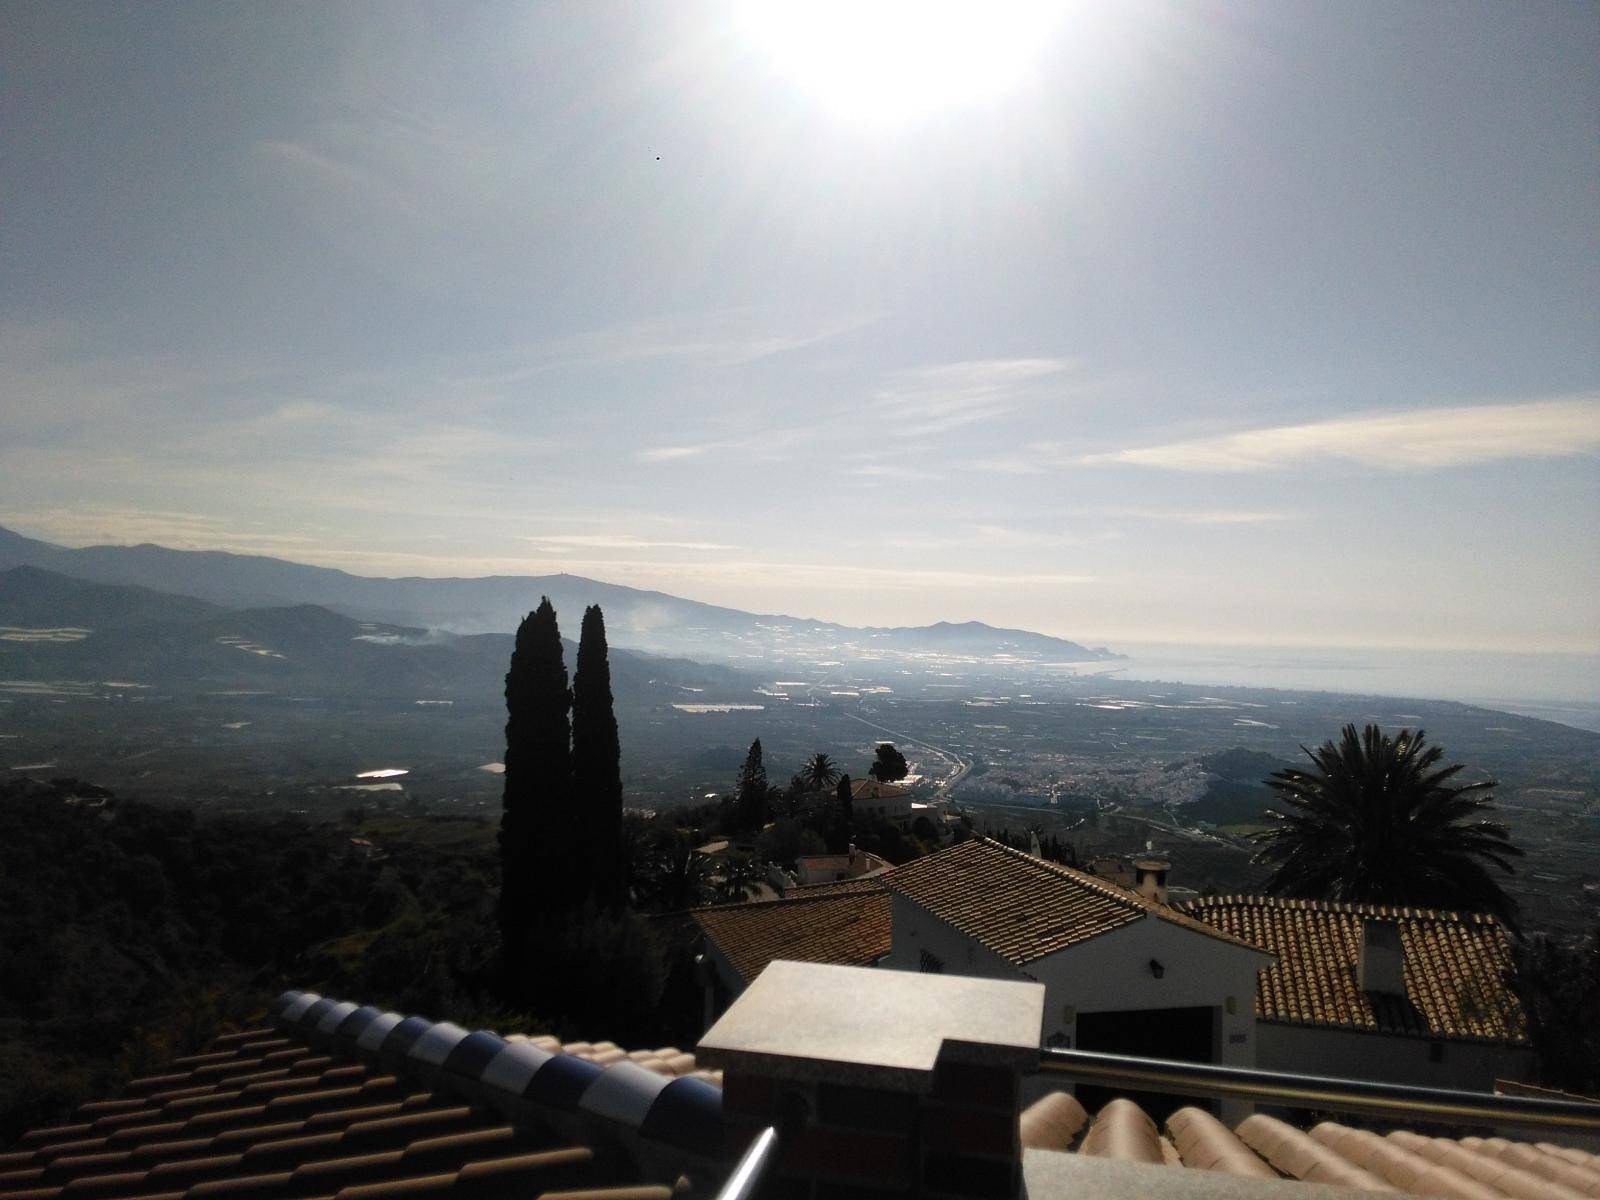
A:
(914, 929)
(1350, 1054)
(1109, 973)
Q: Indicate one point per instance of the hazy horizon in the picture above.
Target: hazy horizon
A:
(1557, 686)
(1206, 322)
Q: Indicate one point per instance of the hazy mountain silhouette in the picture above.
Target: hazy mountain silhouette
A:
(54, 627)
(635, 618)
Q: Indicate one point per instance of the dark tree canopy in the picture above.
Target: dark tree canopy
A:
(596, 764)
(1555, 980)
(890, 764)
(1377, 820)
(840, 824)
(535, 825)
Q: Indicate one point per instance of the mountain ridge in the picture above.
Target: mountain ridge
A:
(652, 621)
(54, 627)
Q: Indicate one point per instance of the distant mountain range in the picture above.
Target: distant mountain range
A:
(642, 620)
(56, 628)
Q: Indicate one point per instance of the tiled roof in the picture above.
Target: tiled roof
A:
(1266, 1148)
(849, 927)
(1454, 967)
(1022, 907)
(826, 862)
(871, 789)
(344, 1101)
(339, 1102)
(838, 887)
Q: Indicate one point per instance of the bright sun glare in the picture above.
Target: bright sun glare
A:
(886, 61)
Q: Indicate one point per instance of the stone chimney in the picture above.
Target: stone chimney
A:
(1150, 874)
(1380, 966)
(890, 1082)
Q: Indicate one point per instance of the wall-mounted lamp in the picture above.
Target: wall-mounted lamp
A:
(1156, 968)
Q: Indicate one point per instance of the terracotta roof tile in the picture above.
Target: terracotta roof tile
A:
(1123, 1131)
(1503, 1176)
(1052, 1121)
(850, 929)
(1455, 967)
(1537, 1161)
(1022, 907)
(428, 1144)
(1203, 1141)
(1296, 1154)
(336, 1129)
(838, 887)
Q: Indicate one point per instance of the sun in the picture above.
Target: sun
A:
(889, 61)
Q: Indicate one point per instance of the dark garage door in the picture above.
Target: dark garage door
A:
(1186, 1034)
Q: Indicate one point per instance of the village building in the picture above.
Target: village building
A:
(855, 863)
(871, 799)
(1407, 996)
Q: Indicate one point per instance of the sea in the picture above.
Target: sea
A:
(1552, 686)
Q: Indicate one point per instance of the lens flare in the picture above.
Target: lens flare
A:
(888, 61)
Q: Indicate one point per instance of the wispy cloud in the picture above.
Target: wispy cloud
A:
(656, 454)
(892, 471)
(716, 339)
(85, 525)
(905, 406)
(618, 541)
(937, 399)
(1007, 536)
(1417, 439)
(725, 339)
(692, 578)
(1214, 516)
(1035, 459)
(981, 537)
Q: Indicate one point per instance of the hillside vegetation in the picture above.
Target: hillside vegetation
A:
(134, 931)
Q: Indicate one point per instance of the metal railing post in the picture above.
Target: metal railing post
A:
(1400, 1101)
(745, 1182)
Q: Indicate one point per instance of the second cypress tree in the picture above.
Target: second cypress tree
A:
(596, 765)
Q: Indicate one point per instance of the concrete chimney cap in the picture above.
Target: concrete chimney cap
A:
(881, 1028)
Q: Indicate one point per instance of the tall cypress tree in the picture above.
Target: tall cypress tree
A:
(535, 824)
(596, 764)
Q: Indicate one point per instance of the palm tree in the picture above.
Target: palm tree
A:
(740, 877)
(682, 876)
(819, 771)
(1379, 822)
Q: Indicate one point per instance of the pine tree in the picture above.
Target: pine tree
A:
(751, 805)
(596, 764)
(534, 824)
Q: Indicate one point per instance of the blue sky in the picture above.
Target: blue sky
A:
(1240, 322)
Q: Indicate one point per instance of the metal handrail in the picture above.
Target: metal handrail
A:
(1322, 1092)
(752, 1168)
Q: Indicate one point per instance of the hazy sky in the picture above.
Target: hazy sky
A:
(1270, 322)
